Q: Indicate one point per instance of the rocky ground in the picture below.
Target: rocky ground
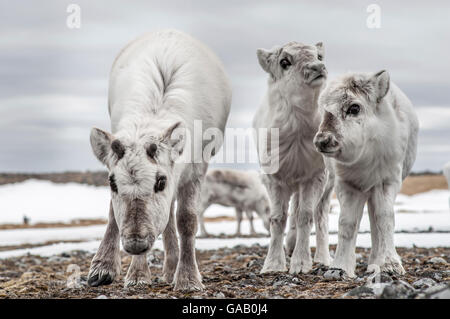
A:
(230, 273)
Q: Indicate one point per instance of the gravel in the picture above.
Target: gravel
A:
(424, 283)
(227, 276)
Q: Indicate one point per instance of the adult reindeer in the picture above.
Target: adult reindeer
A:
(159, 85)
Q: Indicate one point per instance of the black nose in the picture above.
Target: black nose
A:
(324, 143)
(324, 140)
(135, 245)
(318, 67)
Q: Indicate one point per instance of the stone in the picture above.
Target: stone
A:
(398, 289)
(360, 291)
(424, 283)
(220, 295)
(215, 257)
(279, 283)
(437, 276)
(440, 294)
(437, 260)
(435, 288)
(57, 259)
(251, 275)
(242, 257)
(335, 274)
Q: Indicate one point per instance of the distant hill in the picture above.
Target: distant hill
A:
(416, 183)
(99, 178)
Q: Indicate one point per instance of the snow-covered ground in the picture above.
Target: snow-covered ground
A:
(425, 240)
(43, 201)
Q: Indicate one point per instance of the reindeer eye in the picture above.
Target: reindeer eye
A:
(151, 150)
(112, 183)
(160, 183)
(284, 63)
(320, 57)
(353, 109)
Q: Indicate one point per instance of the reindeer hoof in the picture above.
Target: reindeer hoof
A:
(189, 286)
(273, 266)
(188, 283)
(99, 279)
(101, 273)
(136, 282)
(302, 267)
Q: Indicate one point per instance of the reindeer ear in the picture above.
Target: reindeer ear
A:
(101, 144)
(381, 82)
(266, 58)
(175, 137)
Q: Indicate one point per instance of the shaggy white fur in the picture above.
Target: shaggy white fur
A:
(446, 171)
(296, 76)
(160, 84)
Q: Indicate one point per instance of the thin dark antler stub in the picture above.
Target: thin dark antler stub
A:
(118, 148)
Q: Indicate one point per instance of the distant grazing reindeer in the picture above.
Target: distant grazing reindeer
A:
(447, 176)
(369, 129)
(296, 77)
(160, 84)
(239, 189)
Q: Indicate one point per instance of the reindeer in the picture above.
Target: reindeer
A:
(159, 85)
(446, 172)
(242, 190)
(369, 130)
(296, 77)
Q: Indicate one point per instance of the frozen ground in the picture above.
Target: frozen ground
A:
(44, 201)
(422, 220)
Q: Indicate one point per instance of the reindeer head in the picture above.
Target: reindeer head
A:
(294, 66)
(352, 109)
(142, 178)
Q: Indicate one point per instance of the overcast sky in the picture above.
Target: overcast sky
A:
(53, 85)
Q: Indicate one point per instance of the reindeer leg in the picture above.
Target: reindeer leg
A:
(187, 275)
(105, 265)
(171, 250)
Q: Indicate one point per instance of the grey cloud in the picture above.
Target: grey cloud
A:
(48, 70)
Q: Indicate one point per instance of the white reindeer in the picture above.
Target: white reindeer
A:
(369, 129)
(296, 77)
(239, 189)
(446, 171)
(159, 85)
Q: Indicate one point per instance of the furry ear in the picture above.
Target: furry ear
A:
(265, 58)
(320, 49)
(101, 144)
(175, 137)
(381, 82)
